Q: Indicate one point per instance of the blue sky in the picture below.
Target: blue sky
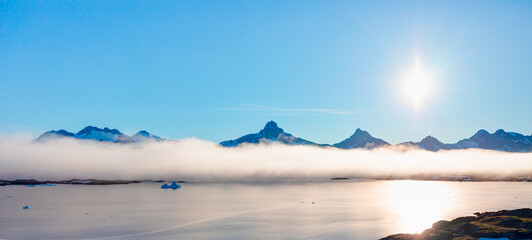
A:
(219, 69)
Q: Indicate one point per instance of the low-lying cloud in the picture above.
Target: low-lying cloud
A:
(199, 160)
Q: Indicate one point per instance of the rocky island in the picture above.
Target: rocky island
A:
(71, 181)
(505, 224)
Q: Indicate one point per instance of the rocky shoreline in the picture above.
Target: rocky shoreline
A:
(462, 178)
(504, 224)
(451, 178)
(30, 182)
(447, 178)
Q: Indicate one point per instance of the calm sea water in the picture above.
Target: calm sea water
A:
(333, 210)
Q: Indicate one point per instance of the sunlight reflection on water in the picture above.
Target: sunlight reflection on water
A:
(418, 204)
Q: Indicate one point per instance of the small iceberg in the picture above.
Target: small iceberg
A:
(174, 185)
(26, 207)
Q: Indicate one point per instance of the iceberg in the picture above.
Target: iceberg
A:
(30, 185)
(174, 185)
(26, 207)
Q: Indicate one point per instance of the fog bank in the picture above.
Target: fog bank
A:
(199, 160)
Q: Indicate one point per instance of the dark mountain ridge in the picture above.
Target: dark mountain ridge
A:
(98, 134)
(500, 140)
(361, 139)
(270, 133)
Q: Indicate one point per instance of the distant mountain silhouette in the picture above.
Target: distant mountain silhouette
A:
(499, 140)
(54, 134)
(361, 139)
(429, 143)
(145, 136)
(270, 133)
(98, 134)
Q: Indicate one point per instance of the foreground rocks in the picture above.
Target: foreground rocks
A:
(511, 224)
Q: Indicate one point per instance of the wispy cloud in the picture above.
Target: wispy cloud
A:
(258, 108)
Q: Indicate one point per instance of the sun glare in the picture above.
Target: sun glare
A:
(417, 204)
(417, 87)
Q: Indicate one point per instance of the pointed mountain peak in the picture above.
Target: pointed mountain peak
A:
(272, 126)
(61, 132)
(481, 132)
(360, 133)
(271, 130)
(113, 131)
(431, 143)
(54, 134)
(361, 139)
(87, 130)
(90, 129)
(143, 133)
(270, 133)
(500, 132)
(430, 139)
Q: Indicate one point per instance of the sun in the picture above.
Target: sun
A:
(417, 87)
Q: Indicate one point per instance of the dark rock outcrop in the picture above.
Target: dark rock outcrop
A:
(511, 224)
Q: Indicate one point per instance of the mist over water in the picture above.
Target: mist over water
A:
(198, 160)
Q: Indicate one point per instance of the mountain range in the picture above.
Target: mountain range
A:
(499, 140)
(270, 133)
(98, 134)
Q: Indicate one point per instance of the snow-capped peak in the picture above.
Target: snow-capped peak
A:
(144, 135)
